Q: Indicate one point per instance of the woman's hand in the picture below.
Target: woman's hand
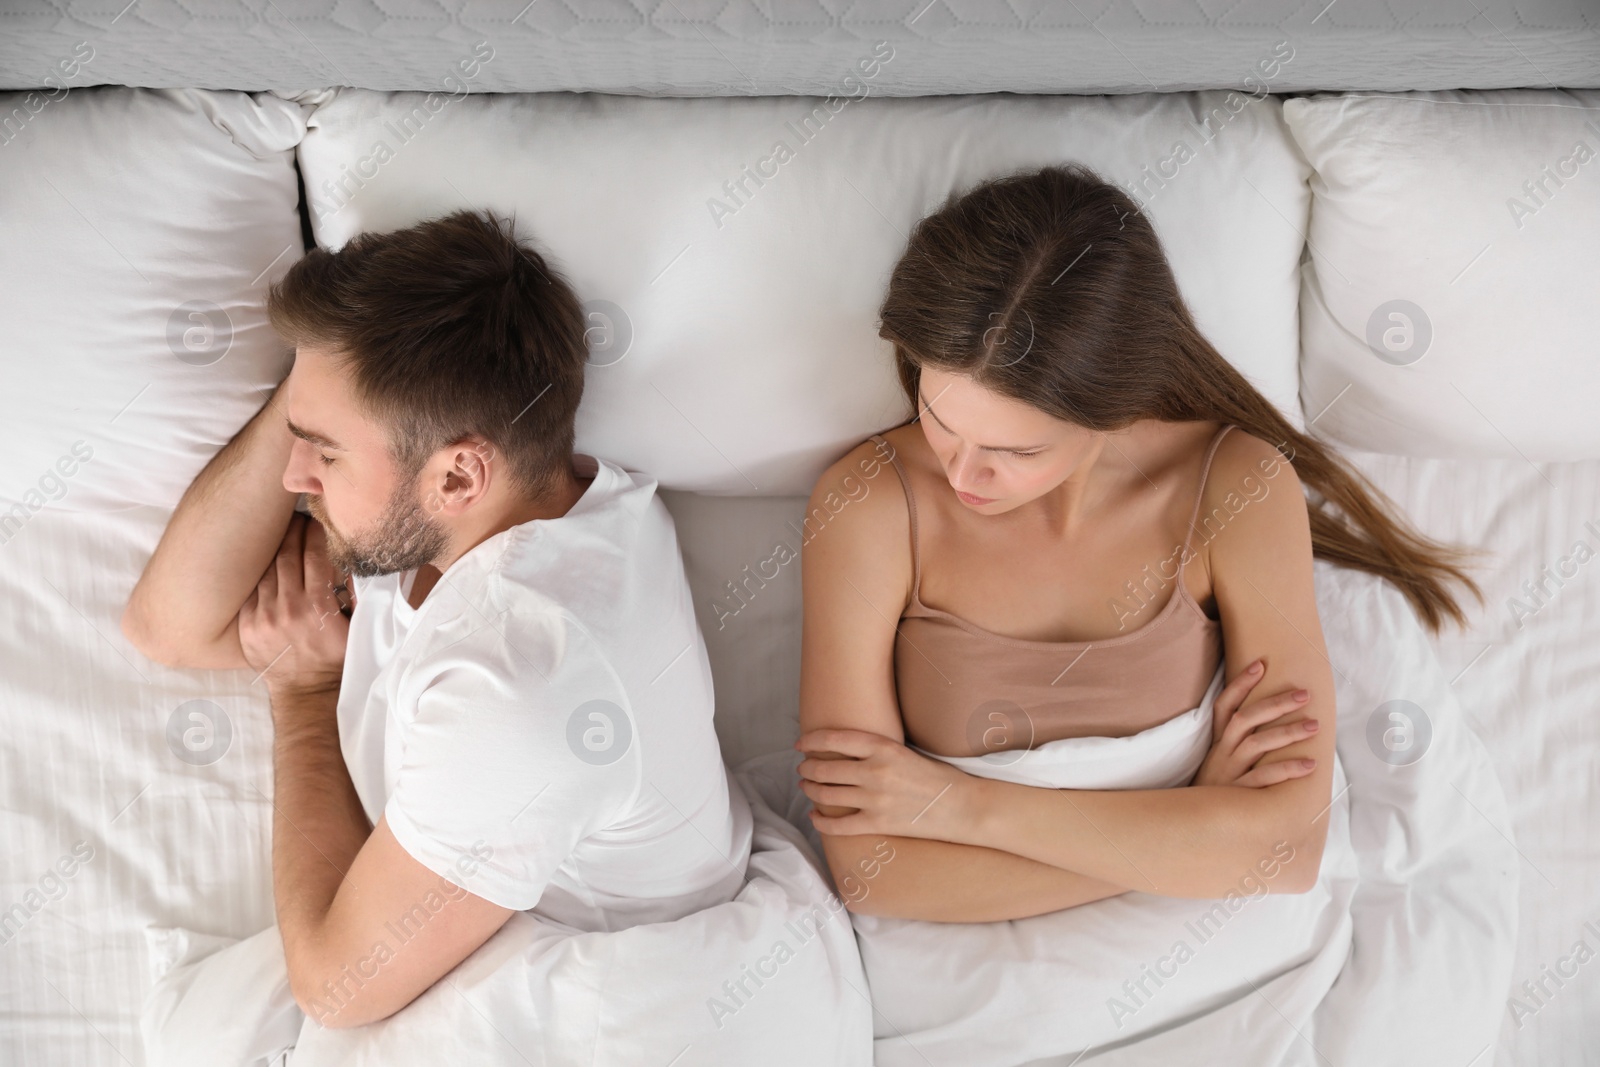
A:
(1238, 741)
(894, 789)
(898, 791)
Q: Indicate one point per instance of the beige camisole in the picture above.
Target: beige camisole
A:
(965, 691)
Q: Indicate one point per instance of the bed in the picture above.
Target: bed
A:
(136, 796)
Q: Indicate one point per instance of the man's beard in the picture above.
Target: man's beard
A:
(405, 537)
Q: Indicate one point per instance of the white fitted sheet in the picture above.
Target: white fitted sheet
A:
(1533, 696)
(83, 722)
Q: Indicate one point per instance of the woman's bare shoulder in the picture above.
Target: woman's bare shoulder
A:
(1242, 455)
(868, 466)
(857, 516)
(1253, 483)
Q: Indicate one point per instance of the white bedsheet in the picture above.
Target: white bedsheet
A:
(1532, 693)
(85, 758)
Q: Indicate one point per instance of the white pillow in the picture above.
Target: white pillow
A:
(738, 348)
(142, 230)
(1451, 296)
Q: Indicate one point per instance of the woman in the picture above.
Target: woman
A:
(1100, 511)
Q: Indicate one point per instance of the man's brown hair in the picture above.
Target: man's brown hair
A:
(448, 328)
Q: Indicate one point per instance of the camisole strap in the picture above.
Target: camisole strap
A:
(911, 506)
(1205, 472)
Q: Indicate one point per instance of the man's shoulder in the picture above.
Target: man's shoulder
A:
(619, 524)
(619, 506)
(574, 588)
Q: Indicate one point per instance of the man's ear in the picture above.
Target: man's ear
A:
(460, 475)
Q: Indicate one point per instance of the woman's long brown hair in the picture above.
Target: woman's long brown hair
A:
(1051, 287)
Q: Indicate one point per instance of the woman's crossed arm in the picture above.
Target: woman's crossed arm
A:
(1083, 845)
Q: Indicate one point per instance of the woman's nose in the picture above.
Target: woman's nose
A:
(966, 469)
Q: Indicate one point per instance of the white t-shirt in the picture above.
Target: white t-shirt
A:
(539, 731)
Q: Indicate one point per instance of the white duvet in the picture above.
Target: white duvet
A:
(1413, 916)
(770, 977)
(1115, 971)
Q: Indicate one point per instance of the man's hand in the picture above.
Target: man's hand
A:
(291, 628)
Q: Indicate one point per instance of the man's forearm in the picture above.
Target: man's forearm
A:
(942, 881)
(226, 529)
(318, 823)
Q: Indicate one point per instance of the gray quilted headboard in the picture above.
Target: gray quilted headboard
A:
(776, 47)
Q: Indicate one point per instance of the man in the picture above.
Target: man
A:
(517, 712)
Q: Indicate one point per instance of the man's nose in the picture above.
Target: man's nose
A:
(297, 476)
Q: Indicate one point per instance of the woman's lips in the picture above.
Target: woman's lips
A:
(968, 498)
